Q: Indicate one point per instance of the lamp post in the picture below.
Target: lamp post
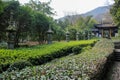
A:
(67, 36)
(49, 34)
(92, 35)
(88, 35)
(11, 32)
(84, 35)
(77, 36)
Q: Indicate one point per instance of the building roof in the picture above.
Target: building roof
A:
(105, 26)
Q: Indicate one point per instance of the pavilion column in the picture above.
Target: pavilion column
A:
(110, 33)
(102, 33)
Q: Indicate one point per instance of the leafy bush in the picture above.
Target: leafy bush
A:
(76, 49)
(39, 54)
(83, 66)
(19, 65)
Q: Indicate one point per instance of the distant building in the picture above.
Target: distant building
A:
(105, 29)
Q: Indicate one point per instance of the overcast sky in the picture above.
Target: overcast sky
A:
(65, 7)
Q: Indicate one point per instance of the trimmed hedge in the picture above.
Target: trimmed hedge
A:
(39, 54)
(19, 65)
(84, 66)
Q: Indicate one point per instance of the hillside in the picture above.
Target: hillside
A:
(97, 13)
(99, 10)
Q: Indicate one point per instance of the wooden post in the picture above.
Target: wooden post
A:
(102, 33)
(110, 33)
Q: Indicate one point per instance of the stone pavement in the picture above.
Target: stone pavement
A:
(114, 73)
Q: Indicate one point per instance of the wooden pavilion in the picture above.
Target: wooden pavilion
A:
(105, 30)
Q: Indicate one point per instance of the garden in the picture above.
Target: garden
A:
(37, 55)
(83, 66)
(35, 46)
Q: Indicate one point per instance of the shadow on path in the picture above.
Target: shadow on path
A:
(112, 67)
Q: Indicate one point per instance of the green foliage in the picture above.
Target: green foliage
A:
(115, 11)
(29, 22)
(83, 66)
(41, 24)
(5, 15)
(76, 49)
(79, 24)
(19, 65)
(39, 54)
(73, 32)
(1, 6)
(43, 7)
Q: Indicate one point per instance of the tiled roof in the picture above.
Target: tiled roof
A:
(105, 25)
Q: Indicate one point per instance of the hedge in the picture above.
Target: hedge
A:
(84, 66)
(39, 54)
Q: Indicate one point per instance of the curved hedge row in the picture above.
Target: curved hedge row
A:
(38, 54)
(83, 66)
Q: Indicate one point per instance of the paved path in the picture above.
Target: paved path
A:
(114, 73)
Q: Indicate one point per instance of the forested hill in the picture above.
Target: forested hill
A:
(97, 13)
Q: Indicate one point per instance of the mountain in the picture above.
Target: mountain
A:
(97, 13)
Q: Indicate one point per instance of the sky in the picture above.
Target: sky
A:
(71, 7)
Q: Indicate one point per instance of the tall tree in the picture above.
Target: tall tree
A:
(115, 11)
(43, 7)
(24, 23)
(21, 15)
(1, 6)
(41, 24)
(5, 15)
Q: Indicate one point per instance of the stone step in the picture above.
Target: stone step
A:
(117, 42)
(117, 60)
(117, 55)
(117, 50)
(117, 46)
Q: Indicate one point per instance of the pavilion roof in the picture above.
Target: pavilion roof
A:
(105, 25)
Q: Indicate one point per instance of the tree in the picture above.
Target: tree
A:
(5, 15)
(43, 7)
(59, 33)
(41, 24)
(30, 21)
(24, 23)
(115, 11)
(21, 15)
(73, 32)
(1, 6)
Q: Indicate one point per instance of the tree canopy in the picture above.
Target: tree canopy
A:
(115, 11)
(33, 20)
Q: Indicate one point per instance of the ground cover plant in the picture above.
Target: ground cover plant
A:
(73, 67)
(116, 39)
(38, 54)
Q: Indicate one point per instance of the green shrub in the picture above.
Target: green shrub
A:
(76, 49)
(83, 66)
(39, 54)
(19, 65)
(86, 48)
